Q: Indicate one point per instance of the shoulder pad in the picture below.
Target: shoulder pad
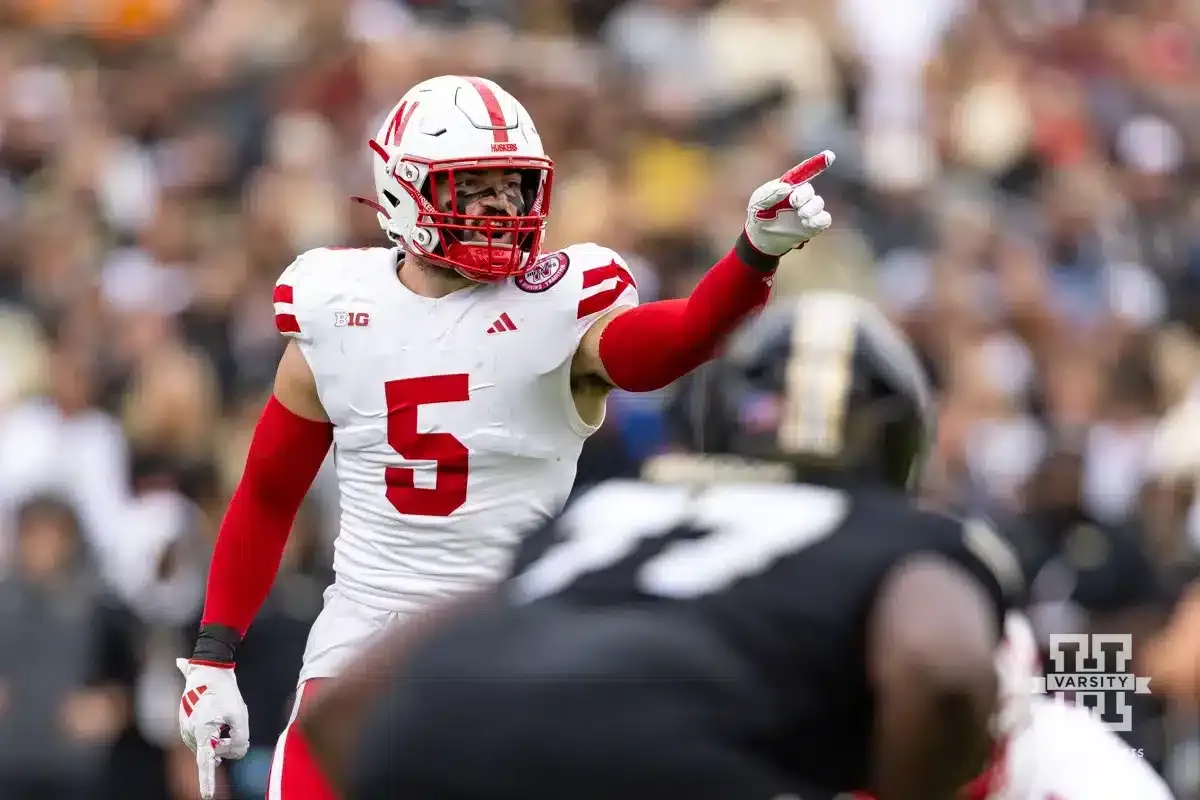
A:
(606, 282)
(587, 280)
(312, 278)
(296, 279)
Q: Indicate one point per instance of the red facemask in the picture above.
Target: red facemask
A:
(487, 258)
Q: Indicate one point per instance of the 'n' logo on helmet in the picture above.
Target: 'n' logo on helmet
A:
(399, 123)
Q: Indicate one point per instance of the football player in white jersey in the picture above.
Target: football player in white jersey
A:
(1051, 750)
(457, 374)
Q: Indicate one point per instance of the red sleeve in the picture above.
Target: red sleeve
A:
(648, 347)
(285, 454)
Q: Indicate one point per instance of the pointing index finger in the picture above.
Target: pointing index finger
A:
(206, 764)
(809, 168)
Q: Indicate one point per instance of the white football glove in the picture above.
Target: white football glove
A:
(213, 720)
(785, 213)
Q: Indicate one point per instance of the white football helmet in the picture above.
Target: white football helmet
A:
(448, 124)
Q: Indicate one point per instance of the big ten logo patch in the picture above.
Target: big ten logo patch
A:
(1093, 671)
(351, 319)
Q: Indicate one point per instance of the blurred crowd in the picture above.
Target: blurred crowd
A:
(1016, 183)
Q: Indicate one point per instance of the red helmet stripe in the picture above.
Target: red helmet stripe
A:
(400, 122)
(494, 112)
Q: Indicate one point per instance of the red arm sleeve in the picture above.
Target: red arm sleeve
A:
(285, 454)
(650, 346)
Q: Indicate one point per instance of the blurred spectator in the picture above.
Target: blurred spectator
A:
(1172, 660)
(66, 670)
(63, 442)
(1089, 576)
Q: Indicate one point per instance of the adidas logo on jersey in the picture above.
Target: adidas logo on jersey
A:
(502, 324)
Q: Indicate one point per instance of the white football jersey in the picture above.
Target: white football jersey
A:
(1054, 750)
(1065, 753)
(454, 424)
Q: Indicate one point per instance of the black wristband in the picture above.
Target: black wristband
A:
(216, 643)
(753, 257)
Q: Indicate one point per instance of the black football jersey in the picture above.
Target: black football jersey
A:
(785, 575)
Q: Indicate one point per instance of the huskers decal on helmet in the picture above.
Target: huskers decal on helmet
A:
(548, 271)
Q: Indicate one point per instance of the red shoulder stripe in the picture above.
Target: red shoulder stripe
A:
(287, 323)
(600, 301)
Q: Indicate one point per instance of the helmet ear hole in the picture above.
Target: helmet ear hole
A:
(391, 198)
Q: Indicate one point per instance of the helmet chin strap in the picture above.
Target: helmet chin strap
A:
(478, 279)
(372, 204)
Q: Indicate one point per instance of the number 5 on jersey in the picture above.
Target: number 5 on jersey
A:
(450, 456)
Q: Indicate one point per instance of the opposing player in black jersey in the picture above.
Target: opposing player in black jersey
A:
(778, 622)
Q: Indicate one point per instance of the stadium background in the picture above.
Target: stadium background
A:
(1016, 182)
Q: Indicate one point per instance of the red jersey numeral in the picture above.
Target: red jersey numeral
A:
(404, 398)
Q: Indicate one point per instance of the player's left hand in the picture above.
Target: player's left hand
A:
(213, 720)
(785, 213)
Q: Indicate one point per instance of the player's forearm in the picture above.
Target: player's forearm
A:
(648, 347)
(285, 454)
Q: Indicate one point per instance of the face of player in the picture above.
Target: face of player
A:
(492, 193)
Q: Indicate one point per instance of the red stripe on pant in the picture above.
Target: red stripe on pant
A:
(299, 776)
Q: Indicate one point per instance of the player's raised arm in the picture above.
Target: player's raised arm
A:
(289, 444)
(645, 348)
(932, 642)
